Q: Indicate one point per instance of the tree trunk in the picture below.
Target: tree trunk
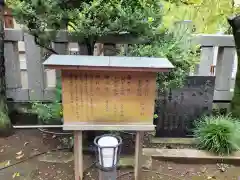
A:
(5, 123)
(235, 104)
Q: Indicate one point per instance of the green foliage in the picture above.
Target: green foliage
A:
(89, 19)
(58, 90)
(176, 45)
(5, 122)
(219, 134)
(207, 16)
(49, 113)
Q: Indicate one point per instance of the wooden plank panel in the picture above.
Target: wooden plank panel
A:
(109, 127)
(34, 68)
(12, 64)
(108, 97)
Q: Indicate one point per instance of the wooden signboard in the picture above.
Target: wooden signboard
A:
(107, 93)
(110, 95)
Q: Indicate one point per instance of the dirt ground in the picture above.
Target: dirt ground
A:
(58, 165)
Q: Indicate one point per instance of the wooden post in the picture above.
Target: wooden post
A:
(138, 155)
(78, 155)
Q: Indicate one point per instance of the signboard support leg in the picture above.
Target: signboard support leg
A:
(78, 155)
(138, 155)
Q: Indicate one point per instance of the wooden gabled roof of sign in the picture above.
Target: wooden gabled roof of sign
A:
(108, 63)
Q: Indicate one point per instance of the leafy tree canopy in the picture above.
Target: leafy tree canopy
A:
(208, 16)
(89, 19)
(176, 45)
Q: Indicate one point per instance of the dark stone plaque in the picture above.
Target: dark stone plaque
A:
(177, 109)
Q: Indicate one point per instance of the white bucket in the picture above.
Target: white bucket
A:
(108, 153)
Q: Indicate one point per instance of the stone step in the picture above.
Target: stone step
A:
(190, 155)
(184, 141)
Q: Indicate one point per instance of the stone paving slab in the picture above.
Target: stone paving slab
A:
(188, 154)
(128, 162)
(25, 172)
(66, 157)
(57, 157)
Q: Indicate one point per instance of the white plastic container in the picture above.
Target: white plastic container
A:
(109, 158)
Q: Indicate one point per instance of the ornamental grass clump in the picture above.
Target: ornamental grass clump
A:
(218, 134)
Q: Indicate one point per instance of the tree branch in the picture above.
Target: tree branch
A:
(43, 46)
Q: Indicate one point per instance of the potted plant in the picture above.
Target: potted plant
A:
(48, 113)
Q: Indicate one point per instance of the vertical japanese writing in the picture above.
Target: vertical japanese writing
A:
(76, 79)
(115, 93)
(91, 93)
(122, 93)
(86, 94)
(107, 84)
(97, 82)
(140, 93)
(121, 110)
(146, 89)
(129, 78)
(139, 88)
(71, 92)
(142, 108)
(115, 86)
(81, 90)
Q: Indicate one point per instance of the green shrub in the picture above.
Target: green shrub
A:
(49, 113)
(4, 121)
(177, 46)
(218, 134)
